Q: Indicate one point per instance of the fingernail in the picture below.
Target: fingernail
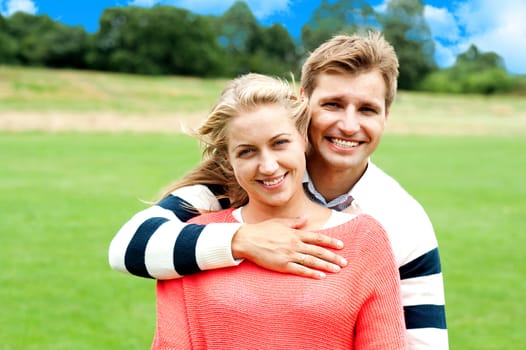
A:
(321, 275)
(339, 244)
(343, 262)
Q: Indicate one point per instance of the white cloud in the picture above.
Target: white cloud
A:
(497, 26)
(382, 7)
(143, 3)
(260, 9)
(442, 23)
(479, 15)
(446, 34)
(10, 7)
(491, 25)
(444, 55)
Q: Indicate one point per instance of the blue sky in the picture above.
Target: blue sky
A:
(492, 25)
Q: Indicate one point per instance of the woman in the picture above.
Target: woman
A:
(255, 141)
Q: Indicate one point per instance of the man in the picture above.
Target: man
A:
(350, 89)
(349, 83)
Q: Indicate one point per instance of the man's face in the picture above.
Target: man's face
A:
(348, 118)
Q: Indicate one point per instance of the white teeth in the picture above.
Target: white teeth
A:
(344, 143)
(273, 182)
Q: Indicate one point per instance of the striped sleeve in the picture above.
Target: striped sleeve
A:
(416, 251)
(422, 293)
(157, 243)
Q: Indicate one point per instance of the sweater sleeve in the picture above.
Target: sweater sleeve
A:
(380, 323)
(416, 250)
(157, 243)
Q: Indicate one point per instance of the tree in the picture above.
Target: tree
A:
(406, 29)
(272, 51)
(236, 28)
(8, 45)
(478, 72)
(473, 60)
(251, 47)
(473, 72)
(67, 47)
(329, 19)
(159, 40)
(44, 42)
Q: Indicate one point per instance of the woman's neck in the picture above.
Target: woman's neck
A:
(255, 211)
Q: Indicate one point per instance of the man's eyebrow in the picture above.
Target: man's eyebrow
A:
(332, 97)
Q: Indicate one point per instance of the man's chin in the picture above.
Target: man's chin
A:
(342, 163)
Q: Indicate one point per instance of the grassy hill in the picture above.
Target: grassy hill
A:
(65, 195)
(33, 98)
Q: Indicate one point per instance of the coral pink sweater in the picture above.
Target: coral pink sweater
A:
(248, 307)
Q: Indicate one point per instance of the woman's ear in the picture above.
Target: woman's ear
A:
(306, 145)
(302, 94)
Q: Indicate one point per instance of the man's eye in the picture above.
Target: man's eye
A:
(330, 105)
(369, 110)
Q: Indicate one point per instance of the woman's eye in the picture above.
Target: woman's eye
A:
(281, 142)
(245, 152)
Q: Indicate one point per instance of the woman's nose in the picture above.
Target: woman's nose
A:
(268, 164)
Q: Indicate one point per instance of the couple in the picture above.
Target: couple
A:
(349, 84)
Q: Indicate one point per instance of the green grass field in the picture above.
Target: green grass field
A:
(64, 196)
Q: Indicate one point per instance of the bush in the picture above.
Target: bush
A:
(488, 81)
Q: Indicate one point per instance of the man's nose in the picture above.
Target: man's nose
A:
(349, 122)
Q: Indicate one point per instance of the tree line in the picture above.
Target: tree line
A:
(165, 40)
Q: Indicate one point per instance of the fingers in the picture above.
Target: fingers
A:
(284, 249)
(325, 257)
(321, 240)
(321, 259)
(313, 259)
(302, 259)
(300, 270)
(311, 267)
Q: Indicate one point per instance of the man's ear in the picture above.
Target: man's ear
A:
(387, 111)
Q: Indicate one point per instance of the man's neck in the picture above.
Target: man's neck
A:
(332, 183)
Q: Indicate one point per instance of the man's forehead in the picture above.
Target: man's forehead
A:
(363, 83)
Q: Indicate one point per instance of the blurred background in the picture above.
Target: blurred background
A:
(468, 46)
(94, 96)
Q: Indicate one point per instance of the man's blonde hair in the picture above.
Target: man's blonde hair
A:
(353, 54)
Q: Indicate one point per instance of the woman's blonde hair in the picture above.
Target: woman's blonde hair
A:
(239, 96)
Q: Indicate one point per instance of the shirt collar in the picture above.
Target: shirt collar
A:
(317, 197)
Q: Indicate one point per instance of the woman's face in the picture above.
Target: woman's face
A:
(267, 154)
